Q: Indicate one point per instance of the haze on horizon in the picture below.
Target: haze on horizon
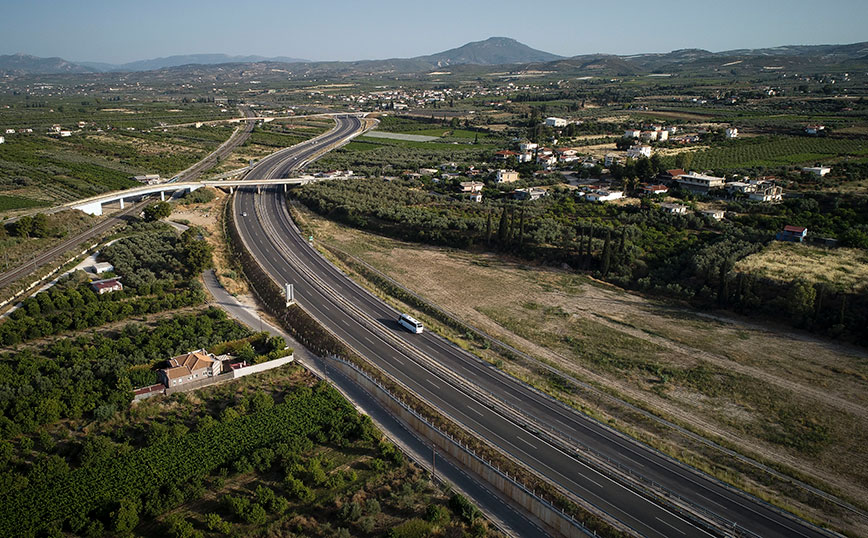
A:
(118, 32)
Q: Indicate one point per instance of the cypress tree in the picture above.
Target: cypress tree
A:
(607, 253)
(502, 229)
(488, 229)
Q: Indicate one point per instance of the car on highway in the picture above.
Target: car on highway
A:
(244, 213)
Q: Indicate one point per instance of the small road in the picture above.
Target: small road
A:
(507, 517)
(238, 137)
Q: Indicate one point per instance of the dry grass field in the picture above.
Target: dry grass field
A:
(790, 400)
(846, 268)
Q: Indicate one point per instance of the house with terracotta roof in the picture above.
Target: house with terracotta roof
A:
(792, 233)
(504, 155)
(106, 286)
(653, 189)
(189, 367)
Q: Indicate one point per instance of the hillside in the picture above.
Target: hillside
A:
(492, 51)
(20, 64)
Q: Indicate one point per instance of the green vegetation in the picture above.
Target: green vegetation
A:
(771, 152)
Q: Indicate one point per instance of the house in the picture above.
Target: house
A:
(716, 214)
(524, 157)
(546, 160)
(632, 133)
(564, 153)
(189, 367)
(451, 166)
(2, 139)
(731, 132)
(529, 193)
(611, 158)
(653, 189)
(766, 192)
(815, 130)
(672, 174)
(428, 171)
(471, 186)
(476, 197)
(603, 195)
(639, 151)
(147, 178)
(527, 146)
(102, 267)
(10, 131)
(675, 209)
(662, 136)
(506, 176)
(106, 286)
(818, 171)
(82, 124)
(556, 122)
(648, 136)
(504, 155)
(699, 182)
(792, 233)
(65, 133)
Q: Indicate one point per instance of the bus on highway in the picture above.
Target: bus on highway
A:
(410, 323)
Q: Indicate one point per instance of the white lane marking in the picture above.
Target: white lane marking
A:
(669, 525)
(476, 411)
(528, 444)
(433, 383)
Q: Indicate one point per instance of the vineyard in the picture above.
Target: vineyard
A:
(56, 495)
(778, 151)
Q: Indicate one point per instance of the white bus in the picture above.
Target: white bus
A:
(409, 323)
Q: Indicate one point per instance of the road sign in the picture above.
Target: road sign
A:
(290, 294)
(310, 239)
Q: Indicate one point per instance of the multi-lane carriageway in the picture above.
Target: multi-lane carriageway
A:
(453, 380)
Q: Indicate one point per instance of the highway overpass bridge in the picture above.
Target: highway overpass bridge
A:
(93, 205)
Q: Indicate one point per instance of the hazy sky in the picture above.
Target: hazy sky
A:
(124, 30)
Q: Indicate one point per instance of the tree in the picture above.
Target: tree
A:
(800, 300)
(23, 227)
(197, 256)
(157, 211)
(126, 517)
(606, 260)
(40, 225)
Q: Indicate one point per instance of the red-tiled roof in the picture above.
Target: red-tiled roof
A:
(795, 229)
(676, 172)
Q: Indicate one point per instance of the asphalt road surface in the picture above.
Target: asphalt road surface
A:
(438, 372)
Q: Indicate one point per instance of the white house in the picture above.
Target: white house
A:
(814, 129)
(731, 132)
(649, 136)
(610, 159)
(65, 133)
(700, 182)
(716, 214)
(524, 157)
(471, 186)
(818, 171)
(632, 133)
(2, 139)
(639, 151)
(106, 286)
(675, 209)
(476, 197)
(527, 146)
(662, 136)
(529, 193)
(102, 267)
(507, 176)
(556, 122)
(603, 195)
(766, 193)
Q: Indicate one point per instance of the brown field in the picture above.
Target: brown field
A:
(846, 268)
(792, 400)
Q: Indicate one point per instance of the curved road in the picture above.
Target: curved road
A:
(439, 372)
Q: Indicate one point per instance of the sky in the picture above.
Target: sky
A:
(120, 31)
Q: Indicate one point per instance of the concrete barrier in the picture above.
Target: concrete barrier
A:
(555, 518)
(262, 366)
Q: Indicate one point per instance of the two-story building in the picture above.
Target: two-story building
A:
(699, 182)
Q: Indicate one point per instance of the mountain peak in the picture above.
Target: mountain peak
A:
(491, 51)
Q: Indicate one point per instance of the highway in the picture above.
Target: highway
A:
(454, 381)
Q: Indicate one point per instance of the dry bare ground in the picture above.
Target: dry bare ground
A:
(787, 398)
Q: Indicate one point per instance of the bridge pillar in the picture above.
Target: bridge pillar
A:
(122, 202)
(285, 187)
(162, 196)
(93, 208)
(231, 189)
(259, 189)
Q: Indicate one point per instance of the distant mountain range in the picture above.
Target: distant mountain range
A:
(494, 51)
(186, 59)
